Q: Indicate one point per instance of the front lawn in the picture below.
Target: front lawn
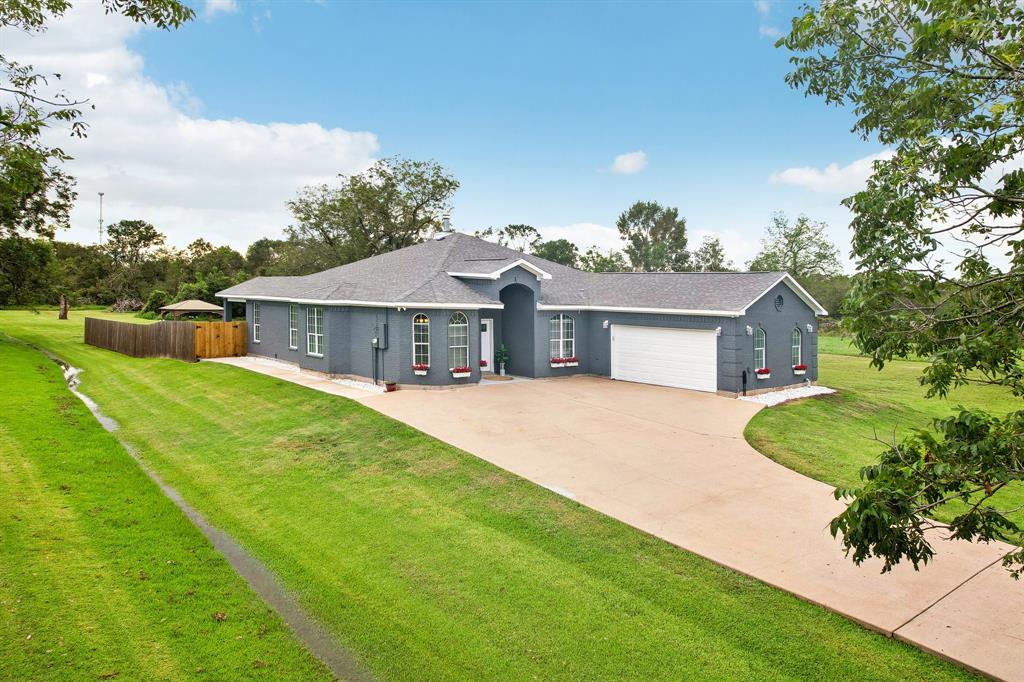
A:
(830, 438)
(101, 577)
(433, 564)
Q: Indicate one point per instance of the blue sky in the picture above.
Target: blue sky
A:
(529, 104)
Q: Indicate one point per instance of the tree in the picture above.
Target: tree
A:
(559, 251)
(595, 260)
(35, 192)
(655, 237)
(395, 203)
(522, 238)
(84, 272)
(264, 256)
(27, 271)
(710, 257)
(130, 244)
(936, 240)
(800, 248)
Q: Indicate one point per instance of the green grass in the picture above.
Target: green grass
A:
(433, 564)
(100, 575)
(836, 345)
(830, 438)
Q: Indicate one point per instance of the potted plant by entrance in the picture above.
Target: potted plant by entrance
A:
(800, 369)
(420, 369)
(763, 373)
(572, 361)
(501, 357)
(483, 363)
(461, 372)
(390, 386)
(558, 362)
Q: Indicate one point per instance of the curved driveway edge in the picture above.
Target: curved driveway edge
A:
(674, 464)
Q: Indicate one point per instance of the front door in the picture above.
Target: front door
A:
(487, 344)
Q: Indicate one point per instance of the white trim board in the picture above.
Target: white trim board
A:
(653, 311)
(521, 263)
(797, 289)
(367, 304)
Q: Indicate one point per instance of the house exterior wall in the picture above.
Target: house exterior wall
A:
(274, 335)
(778, 325)
(349, 330)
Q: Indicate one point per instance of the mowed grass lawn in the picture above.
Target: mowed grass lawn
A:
(432, 564)
(830, 438)
(101, 577)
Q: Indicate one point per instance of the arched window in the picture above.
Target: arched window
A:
(421, 340)
(458, 341)
(563, 337)
(796, 354)
(759, 346)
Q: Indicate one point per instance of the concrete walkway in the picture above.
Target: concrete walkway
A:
(675, 464)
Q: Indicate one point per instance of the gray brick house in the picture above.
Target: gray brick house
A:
(435, 313)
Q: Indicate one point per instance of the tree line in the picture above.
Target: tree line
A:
(394, 204)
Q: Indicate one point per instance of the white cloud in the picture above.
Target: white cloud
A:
(763, 7)
(768, 31)
(584, 235)
(158, 159)
(629, 163)
(258, 19)
(833, 178)
(215, 7)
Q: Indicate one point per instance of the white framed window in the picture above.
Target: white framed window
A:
(458, 341)
(759, 345)
(562, 336)
(315, 331)
(421, 340)
(795, 355)
(293, 326)
(255, 321)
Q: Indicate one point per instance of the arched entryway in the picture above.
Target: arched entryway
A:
(517, 321)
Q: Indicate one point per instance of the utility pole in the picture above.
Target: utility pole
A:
(101, 218)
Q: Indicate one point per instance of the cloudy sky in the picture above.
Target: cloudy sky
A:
(556, 115)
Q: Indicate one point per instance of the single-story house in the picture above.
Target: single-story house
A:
(435, 313)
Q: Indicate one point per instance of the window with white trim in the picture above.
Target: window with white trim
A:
(256, 322)
(421, 340)
(293, 326)
(315, 331)
(562, 330)
(759, 345)
(795, 354)
(458, 341)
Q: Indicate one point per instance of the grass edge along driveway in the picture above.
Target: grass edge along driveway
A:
(432, 564)
(101, 577)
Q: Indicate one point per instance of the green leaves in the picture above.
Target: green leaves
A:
(937, 236)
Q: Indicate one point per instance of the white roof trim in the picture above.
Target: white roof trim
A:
(521, 263)
(366, 304)
(797, 289)
(628, 309)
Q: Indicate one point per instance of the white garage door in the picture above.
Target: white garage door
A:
(683, 358)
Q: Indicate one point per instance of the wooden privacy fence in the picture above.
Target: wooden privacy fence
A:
(186, 341)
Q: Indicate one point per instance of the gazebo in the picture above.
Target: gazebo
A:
(191, 307)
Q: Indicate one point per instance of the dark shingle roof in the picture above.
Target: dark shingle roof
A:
(418, 274)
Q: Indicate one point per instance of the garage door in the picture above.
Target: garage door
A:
(683, 358)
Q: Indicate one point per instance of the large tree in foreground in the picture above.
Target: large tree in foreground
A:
(937, 242)
(395, 203)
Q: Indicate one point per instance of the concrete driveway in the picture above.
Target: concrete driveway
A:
(674, 463)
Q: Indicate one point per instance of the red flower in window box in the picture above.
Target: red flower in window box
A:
(572, 359)
(800, 368)
(483, 363)
(421, 367)
(461, 370)
(762, 370)
(557, 360)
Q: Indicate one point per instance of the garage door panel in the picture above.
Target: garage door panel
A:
(683, 358)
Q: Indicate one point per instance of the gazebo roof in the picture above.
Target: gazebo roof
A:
(192, 306)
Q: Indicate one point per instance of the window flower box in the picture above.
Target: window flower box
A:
(461, 372)
(572, 362)
(763, 373)
(420, 370)
(800, 370)
(558, 362)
